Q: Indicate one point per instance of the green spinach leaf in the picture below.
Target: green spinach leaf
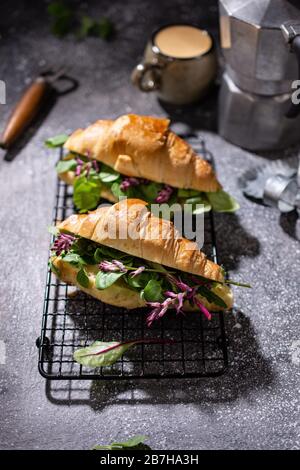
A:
(152, 291)
(108, 174)
(82, 278)
(74, 258)
(86, 194)
(107, 279)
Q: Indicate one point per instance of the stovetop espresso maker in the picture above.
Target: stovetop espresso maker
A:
(260, 41)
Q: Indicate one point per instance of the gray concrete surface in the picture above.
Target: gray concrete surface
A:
(256, 404)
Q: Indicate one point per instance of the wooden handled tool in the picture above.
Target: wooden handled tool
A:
(25, 111)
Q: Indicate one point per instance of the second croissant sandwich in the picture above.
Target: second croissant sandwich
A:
(139, 157)
(155, 268)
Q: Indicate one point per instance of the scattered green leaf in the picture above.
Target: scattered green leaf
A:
(135, 443)
(56, 141)
(101, 353)
(61, 18)
(222, 202)
(103, 28)
(66, 165)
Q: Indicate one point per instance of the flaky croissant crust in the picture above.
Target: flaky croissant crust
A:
(130, 227)
(144, 147)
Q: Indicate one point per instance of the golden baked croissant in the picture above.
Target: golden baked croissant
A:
(155, 247)
(139, 157)
(144, 147)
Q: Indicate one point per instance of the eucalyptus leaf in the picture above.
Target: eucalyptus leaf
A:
(107, 279)
(82, 278)
(222, 202)
(66, 165)
(56, 141)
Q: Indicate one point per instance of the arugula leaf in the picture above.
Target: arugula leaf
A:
(135, 443)
(56, 141)
(108, 174)
(75, 259)
(152, 291)
(86, 192)
(222, 202)
(82, 278)
(66, 165)
(107, 279)
(193, 202)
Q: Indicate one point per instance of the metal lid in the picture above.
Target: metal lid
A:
(262, 13)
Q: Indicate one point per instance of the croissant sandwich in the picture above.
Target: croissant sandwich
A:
(138, 157)
(125, 256)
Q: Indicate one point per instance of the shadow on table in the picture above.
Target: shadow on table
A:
(193, 117)
(248, 371)
(233, 241)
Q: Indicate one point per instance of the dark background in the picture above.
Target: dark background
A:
(254, 405)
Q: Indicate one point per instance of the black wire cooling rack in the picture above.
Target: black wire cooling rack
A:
(72, 319)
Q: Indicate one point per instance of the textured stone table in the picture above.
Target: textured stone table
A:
(254, 405)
